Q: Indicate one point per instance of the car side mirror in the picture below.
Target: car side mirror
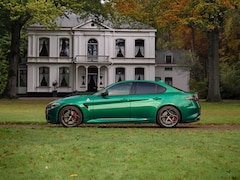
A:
(105, 93)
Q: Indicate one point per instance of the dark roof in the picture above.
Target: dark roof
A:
(71, 20)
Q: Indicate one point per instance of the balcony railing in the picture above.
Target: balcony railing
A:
(89, 59)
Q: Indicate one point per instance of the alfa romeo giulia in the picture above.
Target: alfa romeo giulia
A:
(132, 101)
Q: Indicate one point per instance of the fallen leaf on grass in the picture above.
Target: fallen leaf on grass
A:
(74, 175)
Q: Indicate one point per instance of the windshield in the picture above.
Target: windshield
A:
(100, 91)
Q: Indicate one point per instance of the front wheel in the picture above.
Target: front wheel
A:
(168, 117)
(70, 116)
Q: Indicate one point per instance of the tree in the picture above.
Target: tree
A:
(207, 16)
(16, 15)
(3, 71)
(211, 16)
(210, 20)
(4, 44)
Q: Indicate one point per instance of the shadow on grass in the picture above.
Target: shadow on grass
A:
(140, 126)
(155, 126)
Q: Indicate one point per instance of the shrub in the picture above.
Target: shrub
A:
(201, 87)
(3, 73)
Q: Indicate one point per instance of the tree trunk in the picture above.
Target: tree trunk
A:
(213, 70)
(193, 39)
(13, 58)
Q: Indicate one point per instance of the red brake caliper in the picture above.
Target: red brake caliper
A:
(75, 117)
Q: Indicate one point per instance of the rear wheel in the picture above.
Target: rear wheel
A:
(168, 116)
(70, 116)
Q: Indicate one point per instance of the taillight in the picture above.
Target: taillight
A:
(193, 98)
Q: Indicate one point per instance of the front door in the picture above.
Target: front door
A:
(92, 79)
(115, 106)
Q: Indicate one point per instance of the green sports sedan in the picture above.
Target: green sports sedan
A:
(135, 101)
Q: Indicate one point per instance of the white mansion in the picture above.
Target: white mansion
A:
(81, 56)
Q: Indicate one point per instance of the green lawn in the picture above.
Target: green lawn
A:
(22, 111)
(118, 153)
(32, 111)
(54, 152)
(227, 112)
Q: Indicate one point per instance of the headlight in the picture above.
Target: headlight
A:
(52, 105)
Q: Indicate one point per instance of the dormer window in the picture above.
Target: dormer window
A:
(120, 48)
(169, 59)
(64, 47)
(139, 48)
(44, 47)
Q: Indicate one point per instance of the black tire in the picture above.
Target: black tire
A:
(70, 116)
(168, 117)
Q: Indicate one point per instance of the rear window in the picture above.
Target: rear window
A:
(148, 88)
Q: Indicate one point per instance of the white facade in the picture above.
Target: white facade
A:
(89, 56)
(172, 67)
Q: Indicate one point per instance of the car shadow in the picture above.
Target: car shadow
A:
(120, 125)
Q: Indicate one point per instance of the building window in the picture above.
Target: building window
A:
(139, 48)
(168, 68)
(158, 78)
(64, 47)
(139, 73)
(23, 78)
(44, 47)
(168, 59)
(44, 76)
(92, 47)
(120, 48)
(120, 74)
(64, 77)
(168, 80)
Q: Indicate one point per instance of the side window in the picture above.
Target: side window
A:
(148, 88)
(120, 89)
(160, 89)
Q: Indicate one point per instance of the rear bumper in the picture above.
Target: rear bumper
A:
(197, 119)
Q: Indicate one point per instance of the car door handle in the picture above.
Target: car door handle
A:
(157, 98)
(125, 100)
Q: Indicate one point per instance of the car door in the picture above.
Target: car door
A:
(146, 99)
(114, 104)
